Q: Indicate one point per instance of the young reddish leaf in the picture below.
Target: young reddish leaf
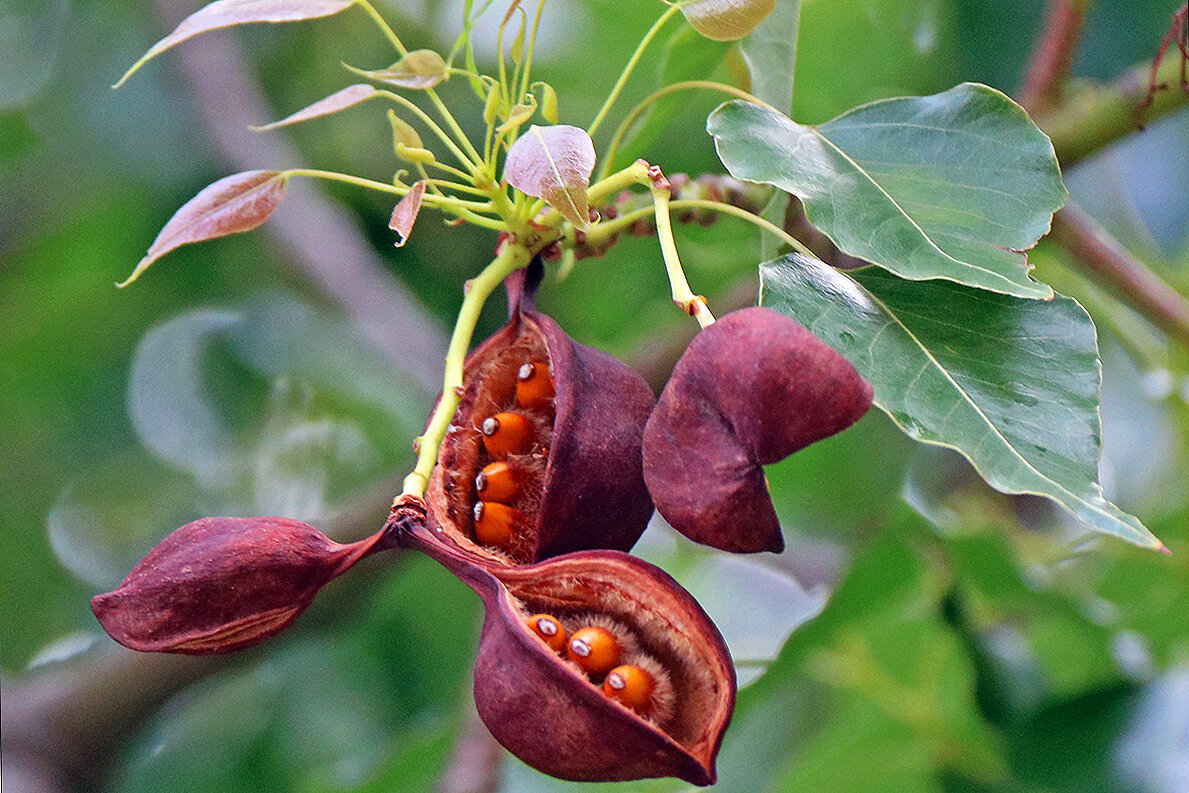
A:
(726, 20)
(418, 70)
(339, 100)
(554, 163)
(235, 203)
(225, 13)
(404, 215)
(221, 584)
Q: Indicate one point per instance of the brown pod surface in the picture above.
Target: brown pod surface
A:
(217, 585)
(582, 484)
(750, 390)
(557, 719)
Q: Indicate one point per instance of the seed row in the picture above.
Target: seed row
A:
(602, 655)
(505, 434)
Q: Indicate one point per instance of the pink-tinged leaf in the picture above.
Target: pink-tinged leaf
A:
(235, 203)
(221, 584)
(419, 70)
(340, 100)
(726, 20)
(554, 163)
(225, 13)
(404, 214)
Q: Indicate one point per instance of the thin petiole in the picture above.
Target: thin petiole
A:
(631, 64)
(511, 257)
(433, 126)
(688, 85)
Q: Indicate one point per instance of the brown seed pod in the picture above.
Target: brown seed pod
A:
(550, 713)
(217, 585)
(750, 390)
(579, 478)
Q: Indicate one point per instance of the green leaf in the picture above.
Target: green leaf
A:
(770, 52)
(1011, 384)
(954, 186)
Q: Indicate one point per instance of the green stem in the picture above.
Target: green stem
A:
(467, 210)
(431, 124)
(532, 43)
(631, 64)
(475, 161)
(511, 257)
(1094, 117)
(683, 296)
(647, 102)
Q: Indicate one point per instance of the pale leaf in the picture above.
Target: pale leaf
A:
(419, 70)
(554, 163)
(339, 100)
(726, 20)
(225, 13)
(404, 215)
(236, 203)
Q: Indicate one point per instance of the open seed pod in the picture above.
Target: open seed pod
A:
(562, 714)
(543, 453)
(750, 390)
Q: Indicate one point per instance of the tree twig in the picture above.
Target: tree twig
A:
(1097, 115)
(1052, 54)
(1109, 263)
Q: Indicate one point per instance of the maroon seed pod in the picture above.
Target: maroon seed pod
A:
(750, 390)
(555, 717)
(217, 585)
(579, 481)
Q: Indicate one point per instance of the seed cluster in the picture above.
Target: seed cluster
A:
(605, 652)
(502, 485)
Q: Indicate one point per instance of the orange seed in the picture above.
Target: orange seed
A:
(534, 386)
(629, 685)
(497, 482)
(496, 524)
(549, 630)
(507, 433)
(594, 649)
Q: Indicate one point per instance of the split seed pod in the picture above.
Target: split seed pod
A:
(578, 476)
(553, 715)
(750, 390)
(217, 585)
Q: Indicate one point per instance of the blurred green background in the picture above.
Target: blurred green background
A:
(968, 642)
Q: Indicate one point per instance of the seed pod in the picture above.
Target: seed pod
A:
(579, 478)
(750, 390)
(550, 713)
(217, 585)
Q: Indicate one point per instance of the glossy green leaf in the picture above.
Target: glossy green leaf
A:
(954, 186)
(1011, 384)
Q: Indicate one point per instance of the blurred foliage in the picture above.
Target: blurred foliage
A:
(982, 647)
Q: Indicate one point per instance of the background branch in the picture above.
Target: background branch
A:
(1052, 54)
(1105, 260)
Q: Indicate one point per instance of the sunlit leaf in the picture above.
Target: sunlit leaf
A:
(554, 163)
(419, 70)
(225, 13)
(1012, 384)
(235, 203)
(954, 186)
(727, 20)
(403, 133)
(404, 214)
(519, 114)
(548, 102)
(340, 100)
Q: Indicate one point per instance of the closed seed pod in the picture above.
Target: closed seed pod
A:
(750, 390)
(580, 481)
(556, 718)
